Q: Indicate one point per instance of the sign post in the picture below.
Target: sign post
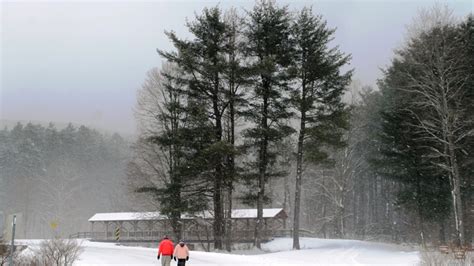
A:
(54, 226)
(12, 247)
(2, 225)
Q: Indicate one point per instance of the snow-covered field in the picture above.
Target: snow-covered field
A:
(314, 252)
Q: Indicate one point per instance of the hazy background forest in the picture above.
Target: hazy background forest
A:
(390, 161)
(60, 175)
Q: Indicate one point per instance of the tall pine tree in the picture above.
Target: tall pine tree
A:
(202, 60)
(235, 78)
(319, 86)
(270, 50)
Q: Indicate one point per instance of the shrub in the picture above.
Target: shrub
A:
(58, 252)
(4, 253)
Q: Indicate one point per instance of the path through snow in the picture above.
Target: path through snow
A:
(314, 252)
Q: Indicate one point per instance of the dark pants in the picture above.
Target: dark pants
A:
(181, 262)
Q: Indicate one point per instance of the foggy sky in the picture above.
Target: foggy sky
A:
(83, 62)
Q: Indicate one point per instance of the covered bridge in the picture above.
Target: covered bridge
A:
(152, 226)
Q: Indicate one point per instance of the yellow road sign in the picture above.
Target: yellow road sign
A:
(53, 225)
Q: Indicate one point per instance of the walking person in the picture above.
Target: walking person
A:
(165, 251)
(181, 252)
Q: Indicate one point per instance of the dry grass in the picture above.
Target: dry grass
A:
(436, 258)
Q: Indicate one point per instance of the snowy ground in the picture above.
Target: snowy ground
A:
(314, 252)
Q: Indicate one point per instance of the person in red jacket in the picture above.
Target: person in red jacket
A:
(165, 249)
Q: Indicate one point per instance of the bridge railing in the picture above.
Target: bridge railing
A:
(192, 236)
(88, 235)
(289, 233)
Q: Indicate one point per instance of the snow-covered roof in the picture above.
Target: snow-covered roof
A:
(141, 216)
(126, 216)
(252, 213)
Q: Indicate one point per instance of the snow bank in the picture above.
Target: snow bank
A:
(285, 244)
(342, 252)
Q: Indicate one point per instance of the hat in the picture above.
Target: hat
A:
(181, 241)
(165, 237)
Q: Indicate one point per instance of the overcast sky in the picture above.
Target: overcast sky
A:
(83, 62)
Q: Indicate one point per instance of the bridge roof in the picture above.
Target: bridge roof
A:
(153, 216)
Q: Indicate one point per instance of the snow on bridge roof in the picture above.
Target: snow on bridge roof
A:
(143, 216)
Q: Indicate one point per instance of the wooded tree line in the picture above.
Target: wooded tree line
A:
(250, 108)
(61, 176)
(427, 128)
(406, 172)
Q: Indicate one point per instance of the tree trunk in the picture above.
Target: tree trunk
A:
(341, 220)
(228, 239)
(262, 168)
(259, 222)
(218, 212)
(286, 199)
(229, 185)
(454, 170)
(354, 211)
(231, 137)
(299, 170)
(299, 173)
(231, 162)
(457, 200)
(219, 175)
(420, 212)
(325, 235)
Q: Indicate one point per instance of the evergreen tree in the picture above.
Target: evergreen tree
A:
(202, 61)
(317, 96)
(235, 78)
(269, 50)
